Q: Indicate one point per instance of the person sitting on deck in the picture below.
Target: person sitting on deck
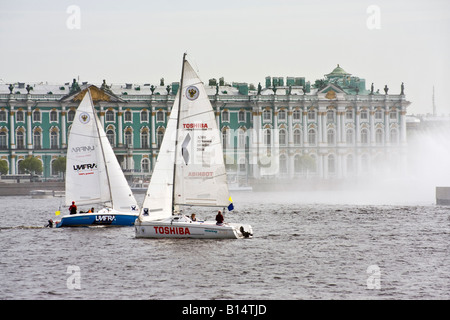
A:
(219, 218)
(91, 210)
(193, 218)
(73, 208)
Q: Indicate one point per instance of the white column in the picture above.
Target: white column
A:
(386, 126)
(120, 125)
(153, 122)
(63, 126)
(319, 127)
(357, 126)
(12, 132)
(305, 128)
(372, 125)
(29, 132)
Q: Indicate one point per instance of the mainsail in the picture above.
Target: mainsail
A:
(190, 168)
(93, 174)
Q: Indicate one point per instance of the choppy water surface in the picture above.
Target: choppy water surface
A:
(300, 251)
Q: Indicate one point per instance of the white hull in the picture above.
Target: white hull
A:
(183, 227)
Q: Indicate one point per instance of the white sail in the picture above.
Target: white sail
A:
(86, 180)
(121, 195)
(89, 179)
(193, 144)
(158, 200)
(200, 176)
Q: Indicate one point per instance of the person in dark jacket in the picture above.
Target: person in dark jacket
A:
(219, 218)
(73, 208)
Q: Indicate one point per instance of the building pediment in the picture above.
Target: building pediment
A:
(98, 94)
(331, 92)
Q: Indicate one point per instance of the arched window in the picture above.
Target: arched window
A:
(20, 142)
(111, 136)
(331, 137)
(160, 116)
(364, 136)
(350, 137)
(127, 116)
(311, 114)
(36, 116)
(128, 138)
(145, 165)
(109, 116)
(282, 137)
(3, 140)
(37, 139)
(19, 116)
(54, 140)
(144, 139)
(144, 116)
(330, 116)
(267, 115)
(379, 136)
(70, 115)
(297, 137)
(393, 136)
(312, 137)
(53, 116)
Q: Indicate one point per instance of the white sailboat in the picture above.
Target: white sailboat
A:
(93, 174)
(189, 171)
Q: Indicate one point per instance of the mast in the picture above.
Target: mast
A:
(101, 146)
(176, 133)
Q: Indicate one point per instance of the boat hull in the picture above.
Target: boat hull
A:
(113, 219)
(196, 230)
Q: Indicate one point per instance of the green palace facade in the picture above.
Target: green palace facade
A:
(289, 128)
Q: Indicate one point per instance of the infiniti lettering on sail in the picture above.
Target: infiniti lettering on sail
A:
(83, 149)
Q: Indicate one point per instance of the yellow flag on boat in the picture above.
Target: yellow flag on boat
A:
(57, 213)
(230, 206)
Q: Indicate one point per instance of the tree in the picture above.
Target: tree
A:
(3, 167)
(31, 165)
(59, 165)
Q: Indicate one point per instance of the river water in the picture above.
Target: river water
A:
(302, 248)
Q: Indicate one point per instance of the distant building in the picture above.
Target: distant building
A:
(332, 129)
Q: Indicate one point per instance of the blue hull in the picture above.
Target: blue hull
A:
(96, 219)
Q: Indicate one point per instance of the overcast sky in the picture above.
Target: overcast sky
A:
(244, 41)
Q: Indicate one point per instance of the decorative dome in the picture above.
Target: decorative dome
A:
(337, 72)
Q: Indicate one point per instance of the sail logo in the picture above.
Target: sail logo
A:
(83, 149)
(172, 230)
(195, 126)
(84, 118)
(86, 166)
(192, 93)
